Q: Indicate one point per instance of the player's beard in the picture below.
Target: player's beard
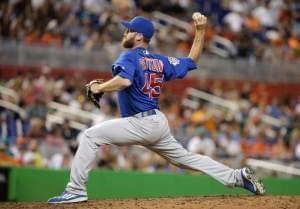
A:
(128, 43)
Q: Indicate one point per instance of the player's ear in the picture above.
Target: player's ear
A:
(139, 37)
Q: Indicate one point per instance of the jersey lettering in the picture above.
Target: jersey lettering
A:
(154, 65)
(152, 86)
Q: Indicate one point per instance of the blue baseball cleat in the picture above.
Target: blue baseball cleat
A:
(251, 183)
(67, 197)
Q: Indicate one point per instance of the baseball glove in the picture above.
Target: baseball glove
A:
(94, 97)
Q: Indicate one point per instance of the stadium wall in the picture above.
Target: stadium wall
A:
(177, 87)
(33, 184)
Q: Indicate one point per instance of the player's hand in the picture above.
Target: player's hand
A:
(95, 88)
(94, 85)
(200, 20)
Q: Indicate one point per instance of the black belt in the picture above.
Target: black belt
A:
(145, 114)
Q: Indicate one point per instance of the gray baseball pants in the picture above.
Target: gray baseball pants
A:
(152, 132)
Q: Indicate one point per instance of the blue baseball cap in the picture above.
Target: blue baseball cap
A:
(141, 25)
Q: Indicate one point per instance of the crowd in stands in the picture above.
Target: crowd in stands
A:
(254, 29)
(33, 134)
(32, 139)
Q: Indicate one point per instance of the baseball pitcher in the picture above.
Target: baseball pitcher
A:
(138, 76)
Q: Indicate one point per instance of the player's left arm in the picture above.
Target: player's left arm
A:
(115, 84)
(200, 22)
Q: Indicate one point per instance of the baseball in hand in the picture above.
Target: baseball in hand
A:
(199, 19)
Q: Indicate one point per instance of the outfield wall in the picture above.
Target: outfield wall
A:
(32, 184)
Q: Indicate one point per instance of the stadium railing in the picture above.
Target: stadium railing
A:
(273, 166)
(230, 105)
(57, 112)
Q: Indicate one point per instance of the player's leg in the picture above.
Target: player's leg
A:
(117, 131)
(121, 131)
(170, 149)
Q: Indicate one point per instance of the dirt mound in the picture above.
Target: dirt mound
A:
(216, 202)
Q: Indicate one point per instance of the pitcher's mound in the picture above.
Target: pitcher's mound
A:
(216, 202)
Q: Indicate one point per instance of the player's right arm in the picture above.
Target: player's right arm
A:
(200, 22)
(178, 67)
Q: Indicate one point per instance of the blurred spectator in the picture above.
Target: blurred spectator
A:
(68, 133)
(263, 12)
(297, 150)
(53, 147)
(12, 126)
(295, 143)
(51, 35)
(124, 160)
(38, 109)
(32, 155)
(235, 19)
(107, 158)
(280, 151)
(260, 149)
(92, 24)
(5, 158)
(201, 143)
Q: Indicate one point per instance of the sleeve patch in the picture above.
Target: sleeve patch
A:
(173, 61)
